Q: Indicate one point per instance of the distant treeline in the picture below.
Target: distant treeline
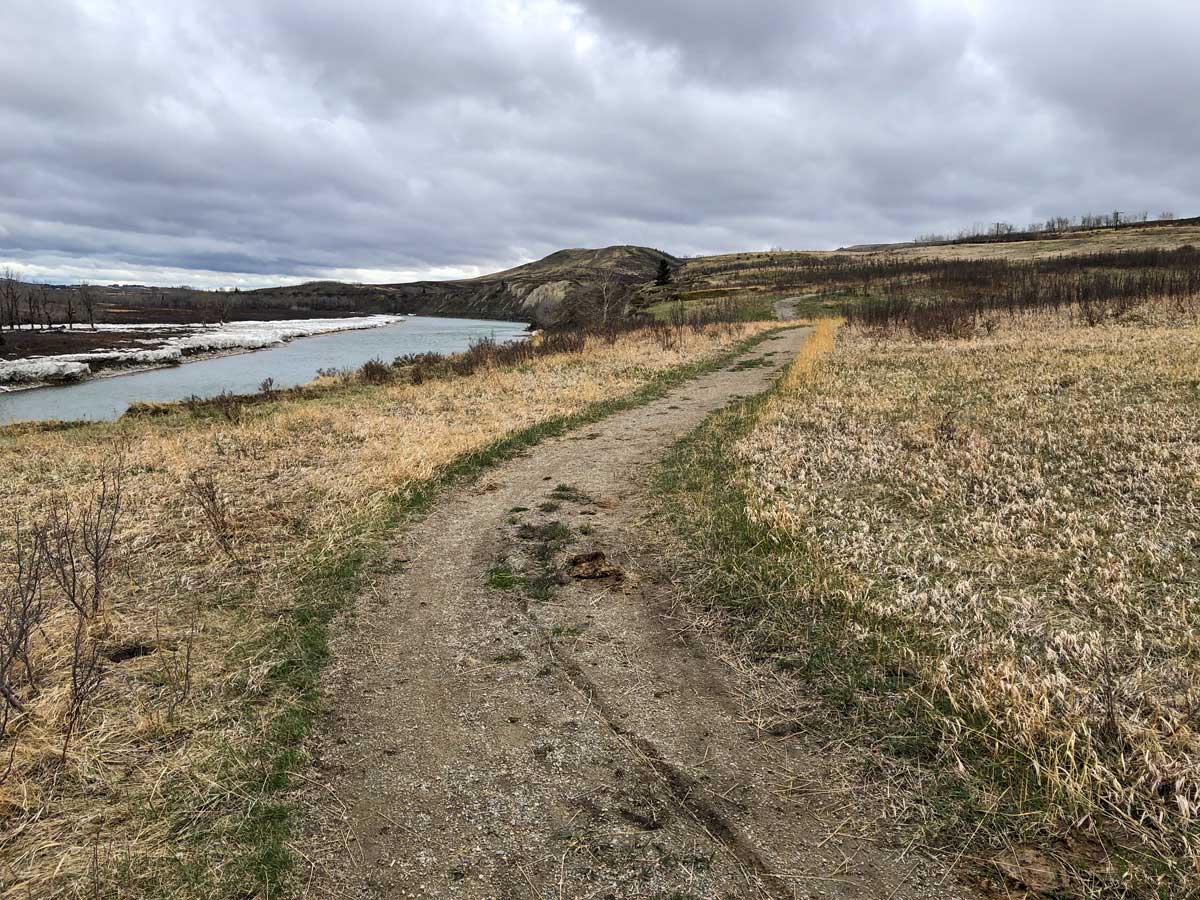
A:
(42, 306)
(36, 307)
(1006, 231)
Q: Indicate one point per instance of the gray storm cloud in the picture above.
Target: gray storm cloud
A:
(220, 144)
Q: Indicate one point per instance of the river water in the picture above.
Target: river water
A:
(288, 364)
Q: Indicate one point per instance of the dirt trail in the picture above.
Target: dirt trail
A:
(786, 308)
(502, 728)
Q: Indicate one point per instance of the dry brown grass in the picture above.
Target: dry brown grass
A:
(1103, 240)
(1007, 530)
(753, 276)
(223, 519)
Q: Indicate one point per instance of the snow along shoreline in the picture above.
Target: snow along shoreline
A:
(172, 346)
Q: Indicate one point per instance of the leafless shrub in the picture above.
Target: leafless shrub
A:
(376, 371)
(668, 338)
(176, 666)
(229, 405)
(79, 543)
(23, 611)
(936, 299)
(202, 488)
(85, 676)
(1093, 312)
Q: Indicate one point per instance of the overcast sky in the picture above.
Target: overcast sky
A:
(271, 141)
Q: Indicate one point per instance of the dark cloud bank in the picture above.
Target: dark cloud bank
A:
(277, 140)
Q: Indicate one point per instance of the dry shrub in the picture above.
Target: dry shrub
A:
(376, 371)
(53, 599)
(201, 486)
(23, 611)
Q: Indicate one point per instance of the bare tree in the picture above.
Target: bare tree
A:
(44, 306)
(70, 309)
(10, 298)
(215, 306)
(87, 299)
(611, 296)
(31, 308)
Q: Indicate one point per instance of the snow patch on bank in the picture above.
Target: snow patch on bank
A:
(43, 370)
(176, 343)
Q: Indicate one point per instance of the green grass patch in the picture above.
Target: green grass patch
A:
(757, 362)
(570, 494)
(503, 578)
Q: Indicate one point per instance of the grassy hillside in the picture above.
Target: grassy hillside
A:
(826, 278)
(567, 287)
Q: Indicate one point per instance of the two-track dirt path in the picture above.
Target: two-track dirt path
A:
(503, 729)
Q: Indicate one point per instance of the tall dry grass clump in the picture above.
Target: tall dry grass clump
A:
(144, 655)
(1009, 527)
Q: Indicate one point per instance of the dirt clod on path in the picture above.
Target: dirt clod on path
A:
(503, 727)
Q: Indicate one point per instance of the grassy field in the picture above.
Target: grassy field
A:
(160, 718)
(1160, 237)
(745, 309)
(827, 279)
(984, 554)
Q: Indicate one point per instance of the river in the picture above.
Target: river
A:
(287, 364)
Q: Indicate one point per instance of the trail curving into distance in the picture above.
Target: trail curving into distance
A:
(514, 714)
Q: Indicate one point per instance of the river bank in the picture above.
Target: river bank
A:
(121, 349)
(214, 371)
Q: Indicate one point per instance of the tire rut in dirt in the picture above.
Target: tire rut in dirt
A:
(685, 790)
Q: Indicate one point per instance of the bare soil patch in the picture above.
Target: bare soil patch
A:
(57, 342)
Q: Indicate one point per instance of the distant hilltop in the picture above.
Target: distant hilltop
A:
(566, 286)
(563, 286)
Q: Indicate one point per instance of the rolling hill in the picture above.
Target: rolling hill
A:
(560, 288)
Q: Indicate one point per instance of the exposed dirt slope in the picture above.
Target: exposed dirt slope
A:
(524, 710)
